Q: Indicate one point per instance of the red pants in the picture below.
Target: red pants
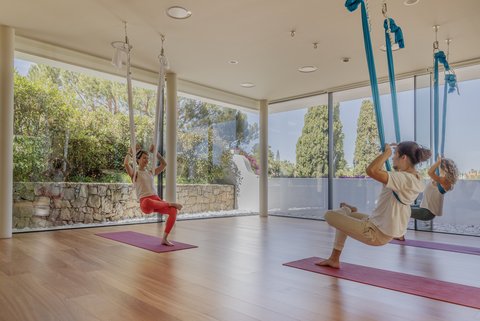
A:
(154, 203)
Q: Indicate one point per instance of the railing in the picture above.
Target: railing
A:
(307, 197)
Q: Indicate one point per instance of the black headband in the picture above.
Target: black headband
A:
(140, 153)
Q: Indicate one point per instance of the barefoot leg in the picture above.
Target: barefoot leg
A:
(333, 261)
(352, 208)
(167, 242)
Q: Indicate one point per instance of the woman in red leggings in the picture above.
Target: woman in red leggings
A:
(147, 193)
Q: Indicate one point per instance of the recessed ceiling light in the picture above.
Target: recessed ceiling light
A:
(247, 85)
(346, 59)
(307, 69)
(177, 12)
(233, 62)
(395, 47)
(410, 2)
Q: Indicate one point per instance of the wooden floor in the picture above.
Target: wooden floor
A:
(236, 273)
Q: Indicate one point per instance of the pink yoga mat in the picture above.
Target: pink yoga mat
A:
(147, 242)
(465, 295)
(439, 246)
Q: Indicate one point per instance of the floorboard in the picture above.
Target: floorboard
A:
(236, 273)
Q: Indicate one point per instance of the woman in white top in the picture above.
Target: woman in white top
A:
(390, 217)
(147, 193)
(432, 201)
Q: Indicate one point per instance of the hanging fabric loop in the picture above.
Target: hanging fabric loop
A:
(159, 110)
(352, 5)
(391, 27)
(396, 30)
(449, 87)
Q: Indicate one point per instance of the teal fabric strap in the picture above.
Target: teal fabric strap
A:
(398, 198)
(397, 31)
(352, 5)
(440, 57)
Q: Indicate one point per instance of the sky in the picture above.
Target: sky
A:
(462, 132)
(462, 129)
(22, 66)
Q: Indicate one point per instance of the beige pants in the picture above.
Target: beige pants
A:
(355, 225)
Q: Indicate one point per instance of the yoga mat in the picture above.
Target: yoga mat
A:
(434, 289)
(439, 246)
(147, 242)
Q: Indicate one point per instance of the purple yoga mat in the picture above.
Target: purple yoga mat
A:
(434, 289)
(147, 242)
(439, 246)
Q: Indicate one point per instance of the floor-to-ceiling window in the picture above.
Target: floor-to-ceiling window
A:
(217, 172)
(359, 142)
(298, 157)
(72, 134)
(461, 205)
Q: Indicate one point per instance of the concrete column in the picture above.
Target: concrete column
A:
(171, 139)
(7, 48)
(263, 179)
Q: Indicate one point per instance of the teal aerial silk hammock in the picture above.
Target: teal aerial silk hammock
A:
(449, 87)
(352, 5)
(391, 26)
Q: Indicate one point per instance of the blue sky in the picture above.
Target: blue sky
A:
(22, 66)
(462, 144)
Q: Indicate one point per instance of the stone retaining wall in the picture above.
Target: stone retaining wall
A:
(43, 205)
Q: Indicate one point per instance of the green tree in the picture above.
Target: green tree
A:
(367, 144)
(206, 134)
(312, 145)
(97, 136)
(41, 118)
(273, 166)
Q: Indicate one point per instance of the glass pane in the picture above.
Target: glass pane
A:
(298, 158)
(217, 172)
(423, 111)
(460, 209)
(361, 144)
(71, 135)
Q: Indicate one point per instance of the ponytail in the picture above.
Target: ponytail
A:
(414, 152)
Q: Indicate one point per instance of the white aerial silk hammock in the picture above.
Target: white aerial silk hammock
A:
(125, 48)
(133, 142)
(159, 107)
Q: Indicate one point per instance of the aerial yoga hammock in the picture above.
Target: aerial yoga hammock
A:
(123, 49)
(390, 27)
(431, 205)
(142, 178)
(449, 87)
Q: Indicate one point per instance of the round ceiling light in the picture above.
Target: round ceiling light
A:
(177, 12)
(395, 47)
(410, 2)
(233, 62)
(247, 85)
(307, 69)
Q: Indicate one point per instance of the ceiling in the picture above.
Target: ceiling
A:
(256, 33)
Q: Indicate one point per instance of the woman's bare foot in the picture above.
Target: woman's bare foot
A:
(178, 206)
(401, 238)
(167, 242)
(352, 208)
(329, 262)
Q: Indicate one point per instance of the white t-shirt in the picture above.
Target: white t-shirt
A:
(144, 185)
(391, 216)
(432, 199)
